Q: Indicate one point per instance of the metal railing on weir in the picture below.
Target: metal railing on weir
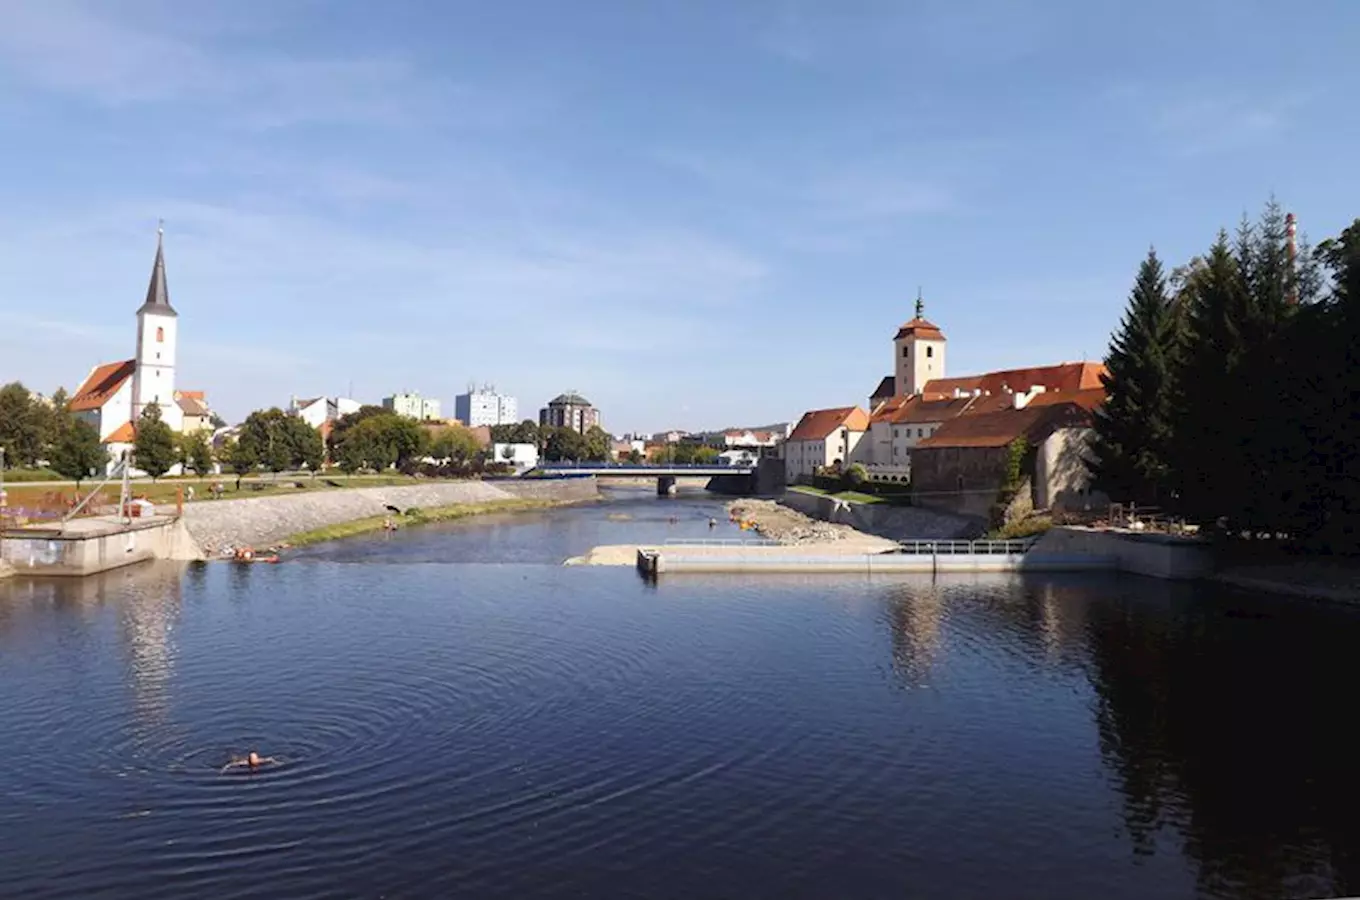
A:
(972, 548)
(720, 542)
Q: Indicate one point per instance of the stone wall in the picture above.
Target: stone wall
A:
(962, 481)
(261, 521)
(882, 519)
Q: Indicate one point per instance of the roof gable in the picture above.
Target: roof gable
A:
(817, 424)
(101, 384)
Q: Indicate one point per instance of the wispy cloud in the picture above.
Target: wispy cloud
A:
(1194, 120)
(139, 55)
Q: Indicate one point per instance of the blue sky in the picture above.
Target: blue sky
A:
(695, 213)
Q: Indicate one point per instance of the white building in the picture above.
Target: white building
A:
(522, 456)
(317, 411)
(824, 437)
(918, 350)
(413, 406)
(483, 406)
(114, 395)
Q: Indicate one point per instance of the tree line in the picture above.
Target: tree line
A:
(1234, 387)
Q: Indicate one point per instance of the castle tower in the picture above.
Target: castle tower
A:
(153, 380)
(918, 353)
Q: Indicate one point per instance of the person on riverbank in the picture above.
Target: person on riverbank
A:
(251, 761)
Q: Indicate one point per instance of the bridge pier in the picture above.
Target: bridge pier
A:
(665, 486)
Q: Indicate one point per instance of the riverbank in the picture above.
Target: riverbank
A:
(270, 521)
(6, 570)
(789, 526)
(417, 517)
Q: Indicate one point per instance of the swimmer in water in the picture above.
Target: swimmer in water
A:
(251, 761)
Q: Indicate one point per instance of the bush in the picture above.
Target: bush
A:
(17, 475)
(1022, 528)
(855, 476)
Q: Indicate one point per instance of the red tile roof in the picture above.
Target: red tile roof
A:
(1075, 376)
(920, 328)
(190, 404)
(817, 424)
(886, 409)
(1000, 427)
(123, 434)
(931, 409)
(101, 384)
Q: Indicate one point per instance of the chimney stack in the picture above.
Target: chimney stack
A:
(1291, 248)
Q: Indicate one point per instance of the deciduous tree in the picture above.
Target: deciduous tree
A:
(154, 449)
(77, 453)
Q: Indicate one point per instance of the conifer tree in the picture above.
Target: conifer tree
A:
(1133, 428)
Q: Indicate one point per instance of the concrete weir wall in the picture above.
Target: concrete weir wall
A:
(261, 521)
(1155, 555)
(98, 547)
(882, 519)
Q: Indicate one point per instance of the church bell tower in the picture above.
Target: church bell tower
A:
(153, 379)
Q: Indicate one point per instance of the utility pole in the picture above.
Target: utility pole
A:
(125, 492)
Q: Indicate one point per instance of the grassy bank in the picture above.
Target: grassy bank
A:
(37, 494)
(418, 517)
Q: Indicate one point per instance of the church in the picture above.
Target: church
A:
(114, 395)
(947, 436)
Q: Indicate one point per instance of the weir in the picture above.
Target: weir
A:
(97, 544)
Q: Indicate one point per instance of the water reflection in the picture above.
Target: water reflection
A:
(147, 616)
(1225, 721)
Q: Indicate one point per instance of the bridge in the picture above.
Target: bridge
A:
(664, 473)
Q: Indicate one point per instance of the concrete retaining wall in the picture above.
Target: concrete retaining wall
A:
(1156, 555)
(261, 521)
(882, 519)
(97, 546)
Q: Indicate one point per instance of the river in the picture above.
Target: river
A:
(457, 714)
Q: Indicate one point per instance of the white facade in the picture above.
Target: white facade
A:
(485, 407)
(413, 406)
(521, 456)
(918, 360)
(318, 411)
(804, 458)
(153, 382)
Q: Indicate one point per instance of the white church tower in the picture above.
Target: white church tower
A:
(918, 353)
(153, 379)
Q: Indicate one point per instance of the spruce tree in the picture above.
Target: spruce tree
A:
(1207, 431)
(1133, 428)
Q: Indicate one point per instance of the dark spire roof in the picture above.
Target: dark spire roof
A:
(157, 293)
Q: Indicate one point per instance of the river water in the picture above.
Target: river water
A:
(459, 715)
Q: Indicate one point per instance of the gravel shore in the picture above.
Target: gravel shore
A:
(788, 526)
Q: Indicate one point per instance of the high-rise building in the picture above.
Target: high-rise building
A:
(413, 406)
(483, 406)
(569, 410)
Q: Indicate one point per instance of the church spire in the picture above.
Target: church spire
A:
(157, 293)
(920, 304)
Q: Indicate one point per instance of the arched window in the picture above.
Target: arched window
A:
(160, 335)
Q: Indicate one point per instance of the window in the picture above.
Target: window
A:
(930, 351)
(906, 352)
(920, 432)
(160, 335)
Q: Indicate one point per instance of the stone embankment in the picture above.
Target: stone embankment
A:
(898, 523)
(6, 570)
(264, 521)
(789, 526)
